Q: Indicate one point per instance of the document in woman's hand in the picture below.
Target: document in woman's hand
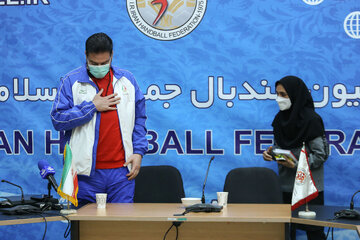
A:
(280, 153)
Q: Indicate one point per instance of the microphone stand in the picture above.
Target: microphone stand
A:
(203, 207)
(350, 213)
(49, 190)
(207, 173)
(352, 200)
(22, 192)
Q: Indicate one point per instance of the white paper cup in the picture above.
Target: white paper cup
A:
(222, 198)
(190, 201)
(101, 200)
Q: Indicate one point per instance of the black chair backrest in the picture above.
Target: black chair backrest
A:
(253, 185)
(158, 184)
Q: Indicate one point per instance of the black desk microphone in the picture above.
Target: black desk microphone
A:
(349, 213)
(202, 207)
(207, 173)
(22, 193)
(352, 200)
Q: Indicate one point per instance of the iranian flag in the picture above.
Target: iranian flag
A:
(304, 186)
(69, 188)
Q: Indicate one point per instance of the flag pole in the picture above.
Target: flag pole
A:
(68, 187)
(307, 213)
(68, 210)
(304, 179)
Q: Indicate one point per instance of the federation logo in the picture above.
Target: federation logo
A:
(313, 2)
(166, 19)
(300, 177)
(352, 25)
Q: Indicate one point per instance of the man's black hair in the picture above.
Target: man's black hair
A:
(98, 43)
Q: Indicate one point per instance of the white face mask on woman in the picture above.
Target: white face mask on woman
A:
(284, 103)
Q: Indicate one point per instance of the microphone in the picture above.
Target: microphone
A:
(207, 173)
(349, 213)
(203, 207)
(47, 172)
(22, 192)
(352, 200)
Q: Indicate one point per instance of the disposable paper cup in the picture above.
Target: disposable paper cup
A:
(190, 201)
(222, 198)
(101, 200)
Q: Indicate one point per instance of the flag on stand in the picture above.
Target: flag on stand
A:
(304, 186)
(69, 188)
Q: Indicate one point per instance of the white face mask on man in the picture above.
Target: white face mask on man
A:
(284, 103)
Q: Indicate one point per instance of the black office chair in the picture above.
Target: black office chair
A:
(253, 185)
(158, 184)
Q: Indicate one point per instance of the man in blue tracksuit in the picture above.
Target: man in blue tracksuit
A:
(102, 111)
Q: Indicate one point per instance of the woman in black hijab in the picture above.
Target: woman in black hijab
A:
(296, 123)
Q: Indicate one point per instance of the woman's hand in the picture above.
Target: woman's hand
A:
(266, 154)
(287, 162)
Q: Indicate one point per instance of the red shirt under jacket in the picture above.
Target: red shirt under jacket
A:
(110, 150)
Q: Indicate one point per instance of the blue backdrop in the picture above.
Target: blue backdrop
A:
(210, 90)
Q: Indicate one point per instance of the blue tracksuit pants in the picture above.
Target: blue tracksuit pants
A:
(111, 181)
